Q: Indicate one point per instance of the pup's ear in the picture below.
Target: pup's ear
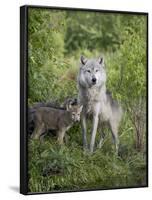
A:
(68, 107)
(80, 108)
(101, 60)
(83, 60)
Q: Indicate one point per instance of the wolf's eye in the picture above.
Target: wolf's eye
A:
(88, 71)
(97, 70)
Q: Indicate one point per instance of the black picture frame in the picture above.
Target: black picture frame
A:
(24, 94)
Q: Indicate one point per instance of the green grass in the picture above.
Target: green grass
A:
(68, 167)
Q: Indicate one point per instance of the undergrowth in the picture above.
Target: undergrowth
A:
(68, 167)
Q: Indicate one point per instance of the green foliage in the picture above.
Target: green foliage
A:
(94, 30)
(127, 67)
(56, 41)
(56, 168)
(127, 75)
(46, 46)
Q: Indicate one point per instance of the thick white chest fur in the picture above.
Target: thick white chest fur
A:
(94, 101)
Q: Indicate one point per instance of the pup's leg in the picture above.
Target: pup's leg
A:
(61, 134)
(34, 134)
(94, 131)
(42, 136)
(84, 131)
(66, 138)
(38, 131)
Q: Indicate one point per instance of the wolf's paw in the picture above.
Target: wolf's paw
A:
(85, 147)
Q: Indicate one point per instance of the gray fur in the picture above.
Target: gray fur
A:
(55, 119)
(96, 101)
(53, 104)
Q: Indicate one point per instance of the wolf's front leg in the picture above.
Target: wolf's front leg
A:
(94, 131)
(114, 131)
(101, 140)
(102, 135)
(84, 130)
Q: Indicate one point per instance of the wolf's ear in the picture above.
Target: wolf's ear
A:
(83, 60)
(101, 60)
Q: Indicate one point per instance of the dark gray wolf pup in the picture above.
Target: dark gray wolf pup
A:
(96, 101)
(55, 119)
(53, 104)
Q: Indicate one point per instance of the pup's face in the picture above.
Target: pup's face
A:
(92, 72)
(75, 111)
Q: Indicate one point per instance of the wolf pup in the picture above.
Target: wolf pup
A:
(96, 101)
(55, 119)
(53, 104)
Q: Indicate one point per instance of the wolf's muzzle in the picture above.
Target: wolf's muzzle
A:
(94, 80)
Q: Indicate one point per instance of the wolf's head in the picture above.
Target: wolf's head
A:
(92, 72)
(75, 111)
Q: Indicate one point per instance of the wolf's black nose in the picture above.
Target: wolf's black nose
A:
(94, 80)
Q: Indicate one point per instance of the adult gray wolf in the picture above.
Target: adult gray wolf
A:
(96, 101)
